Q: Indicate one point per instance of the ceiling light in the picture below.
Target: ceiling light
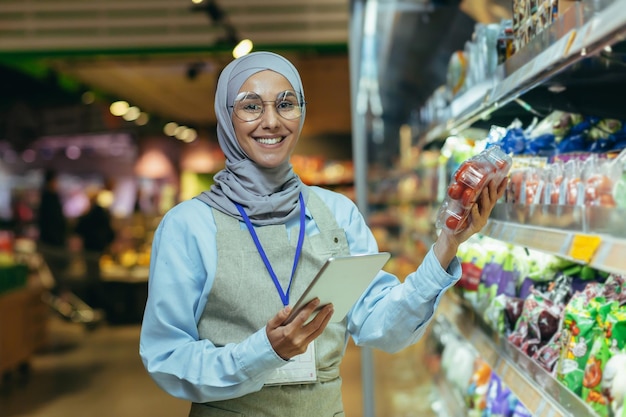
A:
(119, 108)
(73, 152)
(131, 114)
(170, 128)
(29, 155)
(189, 135)
(557, 88)
(88, 97)
(211, 8)
(143, 119)
(105, 198)
(243, 48)
(179, 131)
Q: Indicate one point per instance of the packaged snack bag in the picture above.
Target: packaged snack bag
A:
(578, 328)
(610, 338)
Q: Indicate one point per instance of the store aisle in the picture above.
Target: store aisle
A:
(94, 373)
(99, 373)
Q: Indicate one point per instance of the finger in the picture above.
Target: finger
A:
(477, 215)
(485, 198)
(502, 187)
(319, 323)
(306, 312)
(491, 191)
(279, 318)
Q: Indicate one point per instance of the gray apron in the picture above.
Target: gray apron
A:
(243, 298)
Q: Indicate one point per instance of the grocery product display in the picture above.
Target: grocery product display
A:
(535, 325)
(481, 391)
(563, 316)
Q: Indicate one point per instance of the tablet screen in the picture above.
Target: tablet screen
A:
(341, 281)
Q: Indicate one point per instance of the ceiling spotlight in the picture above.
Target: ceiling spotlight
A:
(131, 114)
(188, 135)
(73, 152)
(179, 131)
(170, 128)
(557, 88)
(243, 48)
(29, 155)
(119, 108)
(88, 97)
(143, 119)
(211, 8)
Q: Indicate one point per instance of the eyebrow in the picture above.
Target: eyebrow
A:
(288, 93)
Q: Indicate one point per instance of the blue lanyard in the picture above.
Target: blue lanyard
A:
(284, 295)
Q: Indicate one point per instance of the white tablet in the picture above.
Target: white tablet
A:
(341, 281)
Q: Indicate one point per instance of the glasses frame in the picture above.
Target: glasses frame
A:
(298, 96)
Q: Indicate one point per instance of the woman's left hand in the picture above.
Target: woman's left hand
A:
(481, 210)
(448, 241)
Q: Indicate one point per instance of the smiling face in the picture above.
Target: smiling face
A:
(269, 140)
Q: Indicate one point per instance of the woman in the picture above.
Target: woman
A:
(213, 330)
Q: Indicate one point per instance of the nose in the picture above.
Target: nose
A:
(270, 118)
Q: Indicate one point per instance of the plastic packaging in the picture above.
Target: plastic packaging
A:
(467, 184)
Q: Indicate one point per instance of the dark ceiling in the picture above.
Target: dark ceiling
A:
(420, 49)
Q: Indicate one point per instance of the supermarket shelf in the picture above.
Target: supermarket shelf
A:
(579, 33)
(584, 237)
(450, 403)
(539, 391)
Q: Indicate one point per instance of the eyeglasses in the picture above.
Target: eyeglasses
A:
(249, 106)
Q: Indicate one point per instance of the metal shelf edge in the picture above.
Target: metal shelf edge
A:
(608, 256)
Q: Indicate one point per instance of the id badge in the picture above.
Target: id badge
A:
(299, 370)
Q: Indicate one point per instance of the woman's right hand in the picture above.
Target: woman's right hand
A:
(291, 339)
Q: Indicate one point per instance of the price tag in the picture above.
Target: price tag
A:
(579, 40)
(568, 41)
(584, 247)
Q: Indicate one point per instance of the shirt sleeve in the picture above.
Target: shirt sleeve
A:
(391, 315)
(182, 270)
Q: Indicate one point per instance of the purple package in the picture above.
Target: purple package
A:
(491, 274)
(521, 411)
(524, 289)
(506, 284)
(498, 398)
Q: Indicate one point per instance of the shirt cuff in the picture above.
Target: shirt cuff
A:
(443, 278)
(257, 357)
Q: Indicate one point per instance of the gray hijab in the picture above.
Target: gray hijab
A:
(268, 195)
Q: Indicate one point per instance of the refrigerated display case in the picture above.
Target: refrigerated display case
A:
(576, 64)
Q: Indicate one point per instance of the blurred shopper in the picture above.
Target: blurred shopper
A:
(97, 234)
(53, 228)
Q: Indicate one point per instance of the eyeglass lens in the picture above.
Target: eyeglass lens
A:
(249, 106)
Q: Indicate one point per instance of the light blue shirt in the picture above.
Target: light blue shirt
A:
(389, 316)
